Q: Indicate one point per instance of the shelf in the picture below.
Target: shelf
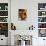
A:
(42, 16)
(41, 28)
(4, 19)
(41, 22)
(3, 10)
(41, 10)
(42, 19)
(3, 22)
(3, 16)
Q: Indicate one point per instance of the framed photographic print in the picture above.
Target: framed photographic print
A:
(4, 29)
(42, 32)
(22, 14)
(3, 19)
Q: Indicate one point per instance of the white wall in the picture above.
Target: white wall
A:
(3, 1)
(22, 26)
(21, 4)
(32, 13)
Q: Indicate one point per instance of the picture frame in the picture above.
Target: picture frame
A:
(22, 14)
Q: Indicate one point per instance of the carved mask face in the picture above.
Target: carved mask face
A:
(22, 14)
